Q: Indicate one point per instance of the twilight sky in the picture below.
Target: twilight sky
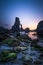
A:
(30, 12)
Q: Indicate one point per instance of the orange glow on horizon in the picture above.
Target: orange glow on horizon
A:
(31, 27)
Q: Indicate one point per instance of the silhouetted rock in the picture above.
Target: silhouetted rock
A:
(4, 33)
(40, 28)
(27, 30)
(21, 28)
(16, 27)
(4, 30)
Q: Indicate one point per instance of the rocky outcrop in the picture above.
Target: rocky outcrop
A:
(21, 28)
(27, 30)
(40, 28)
(4, 33)
(16, 27)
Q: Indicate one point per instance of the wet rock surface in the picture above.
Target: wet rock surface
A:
(18, 51)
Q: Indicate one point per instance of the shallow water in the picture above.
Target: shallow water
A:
(32, 36)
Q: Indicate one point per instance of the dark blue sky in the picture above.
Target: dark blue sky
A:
(30, 12)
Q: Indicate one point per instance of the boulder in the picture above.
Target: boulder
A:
(7, 55)
(40, 28)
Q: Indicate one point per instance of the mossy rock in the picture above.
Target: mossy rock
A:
(11, 41)
(4, 54)
(8, 41)
(7, 57)
(12, 55)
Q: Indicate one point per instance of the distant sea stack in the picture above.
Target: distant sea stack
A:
(27, 30)
(16, 27)
(40, 28)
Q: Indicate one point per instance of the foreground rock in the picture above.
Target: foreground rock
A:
(27, 60)
(37, 43)
(7, 55)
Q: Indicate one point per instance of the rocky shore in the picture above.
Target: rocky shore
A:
(20, 50)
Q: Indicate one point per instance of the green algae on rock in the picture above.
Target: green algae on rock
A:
(11, 41)
(8, 56)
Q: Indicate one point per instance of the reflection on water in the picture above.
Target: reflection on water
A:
(33, 35)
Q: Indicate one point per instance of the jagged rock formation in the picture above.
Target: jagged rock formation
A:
(16, 26)
(21, 28)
